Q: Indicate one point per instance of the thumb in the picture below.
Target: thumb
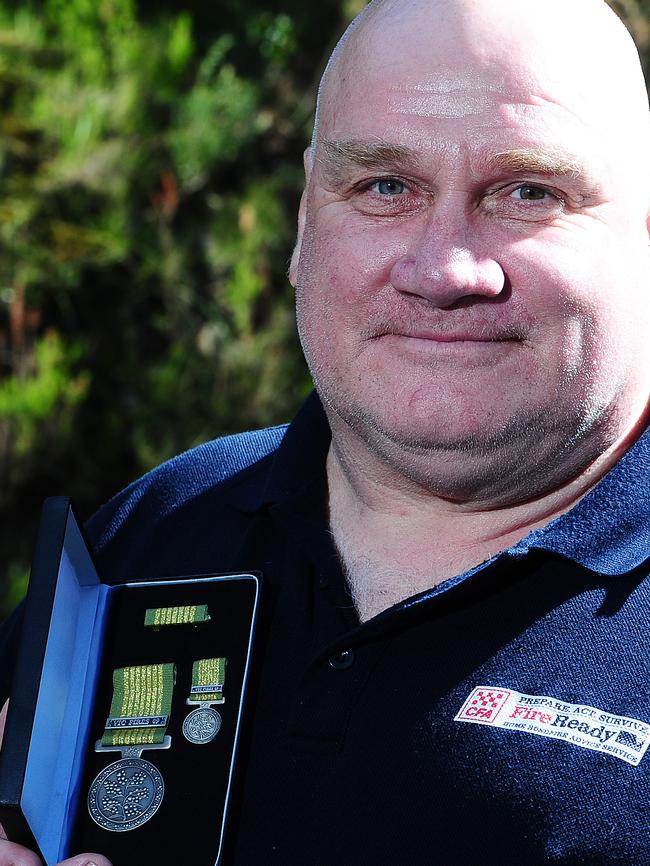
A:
(3, 719)
(86, 860)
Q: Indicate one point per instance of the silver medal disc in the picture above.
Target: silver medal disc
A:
(202, 725)
(125, 794)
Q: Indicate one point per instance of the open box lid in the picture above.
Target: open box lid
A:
(48, 712)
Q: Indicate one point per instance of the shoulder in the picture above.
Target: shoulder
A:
(182, 494)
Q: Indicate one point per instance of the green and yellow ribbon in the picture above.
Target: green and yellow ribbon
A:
(189, 614)
(208, 678)
(141, 705)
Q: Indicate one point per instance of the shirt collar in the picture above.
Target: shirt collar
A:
(294, 468)
(608, 531)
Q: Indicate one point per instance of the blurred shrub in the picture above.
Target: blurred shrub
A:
(149, 176)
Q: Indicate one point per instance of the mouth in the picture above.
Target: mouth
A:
(474, 347)
(459, 337)
(451, 337)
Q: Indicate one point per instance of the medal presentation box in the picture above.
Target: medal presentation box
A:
(126, 708)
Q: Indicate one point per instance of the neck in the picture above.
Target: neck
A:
(396, 538)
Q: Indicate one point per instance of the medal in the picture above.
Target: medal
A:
(128, 792)
(202, 724)
(125, 794)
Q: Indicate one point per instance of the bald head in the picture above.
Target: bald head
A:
(451, 52)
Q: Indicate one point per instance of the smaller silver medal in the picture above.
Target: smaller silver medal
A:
(202, 725)
(126, 794)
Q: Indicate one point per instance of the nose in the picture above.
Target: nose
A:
(443, 269)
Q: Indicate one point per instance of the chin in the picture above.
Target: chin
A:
(503, 464)
(443, 425)
(402, 428)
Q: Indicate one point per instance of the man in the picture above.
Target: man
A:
(453, 661)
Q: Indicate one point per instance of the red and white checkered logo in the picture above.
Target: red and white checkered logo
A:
(483, 705)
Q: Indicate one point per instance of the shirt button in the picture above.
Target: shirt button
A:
(341, 661)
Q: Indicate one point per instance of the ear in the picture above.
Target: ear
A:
(308, 160)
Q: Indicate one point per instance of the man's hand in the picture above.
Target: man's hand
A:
(15, 855)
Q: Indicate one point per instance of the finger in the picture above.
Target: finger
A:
(3, 718)
(16, 855)
(83, 860)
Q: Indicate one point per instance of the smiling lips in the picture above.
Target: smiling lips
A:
(454, 337)
(460, 337)
(477, 346)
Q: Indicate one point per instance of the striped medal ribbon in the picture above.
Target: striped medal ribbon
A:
(189, 614)
(128, 792)
(208, 677)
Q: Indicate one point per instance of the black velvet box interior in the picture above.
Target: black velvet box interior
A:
(190, 823)
(196, 776)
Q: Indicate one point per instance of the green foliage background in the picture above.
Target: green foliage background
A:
(150, 170)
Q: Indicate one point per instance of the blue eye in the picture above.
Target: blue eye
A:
(389, 186)
(529, 192)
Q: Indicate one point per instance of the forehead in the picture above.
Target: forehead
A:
(410, 73)
(474, 46)
(449, 112)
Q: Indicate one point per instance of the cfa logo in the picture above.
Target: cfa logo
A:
(484, 705)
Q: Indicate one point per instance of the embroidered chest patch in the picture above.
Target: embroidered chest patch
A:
(578, 724)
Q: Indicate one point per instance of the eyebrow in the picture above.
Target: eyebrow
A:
(336, 158)
(523, 160)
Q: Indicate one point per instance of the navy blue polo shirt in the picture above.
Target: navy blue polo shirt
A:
(502, 717)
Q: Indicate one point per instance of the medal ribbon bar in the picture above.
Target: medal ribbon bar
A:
(208, 677)
(141, 705)
(191, 614)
